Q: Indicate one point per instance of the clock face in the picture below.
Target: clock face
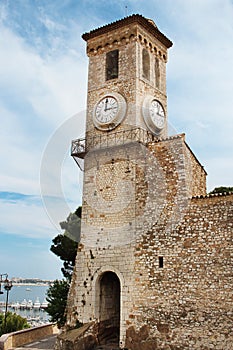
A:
(154, 115)
(109, 111)
(106, 110)
(157, 114)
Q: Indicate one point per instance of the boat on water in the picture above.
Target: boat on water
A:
(36, 304)
(23, 304)
(15, 306)
(29, 304)
(44, 304)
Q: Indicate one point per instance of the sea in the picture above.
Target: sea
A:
(22, 292)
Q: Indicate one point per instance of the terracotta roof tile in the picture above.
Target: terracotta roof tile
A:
(146, 23)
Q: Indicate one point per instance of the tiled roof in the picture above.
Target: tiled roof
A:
(146, 23)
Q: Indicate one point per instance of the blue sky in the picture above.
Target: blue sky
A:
(43, 83)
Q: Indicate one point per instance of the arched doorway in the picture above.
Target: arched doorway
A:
(109, 308)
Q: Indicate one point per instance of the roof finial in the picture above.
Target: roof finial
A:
(126, 10)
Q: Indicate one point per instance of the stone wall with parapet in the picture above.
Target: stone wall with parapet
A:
(19, 338)
(187, 303)
(197, 173)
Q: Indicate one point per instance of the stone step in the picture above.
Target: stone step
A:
(108, 347)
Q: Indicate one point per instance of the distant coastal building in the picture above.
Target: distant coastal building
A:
(154, 263)
(20, 280)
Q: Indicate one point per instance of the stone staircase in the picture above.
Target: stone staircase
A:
(94, 336)
(108, 335)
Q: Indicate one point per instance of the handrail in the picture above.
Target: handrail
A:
(80, 147)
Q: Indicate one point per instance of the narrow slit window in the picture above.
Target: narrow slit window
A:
(157, 73)
(145, 64)
(160, 261)
(112, 64)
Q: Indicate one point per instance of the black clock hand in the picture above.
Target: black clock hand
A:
(106, 105)
(107, 109)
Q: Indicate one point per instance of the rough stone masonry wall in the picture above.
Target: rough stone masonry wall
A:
(195, 172)
(173, 175)
(187, 303)
(108, 230)
(83, 303)
(129, 193)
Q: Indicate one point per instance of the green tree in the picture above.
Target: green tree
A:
(14, 323)
(221, 189)
(65, 247)
(72, 225)
(57, 298)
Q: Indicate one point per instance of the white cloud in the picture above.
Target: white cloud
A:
(200, 81)
(50, 24)
(50, 86)
(26, 219)
(62, 91)
(36, 96)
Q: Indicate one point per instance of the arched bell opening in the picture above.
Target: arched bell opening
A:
(109, 291)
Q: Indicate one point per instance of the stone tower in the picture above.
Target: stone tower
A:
(128, 283)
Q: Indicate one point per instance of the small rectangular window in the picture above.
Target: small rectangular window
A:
(160, 261)
(112, 64)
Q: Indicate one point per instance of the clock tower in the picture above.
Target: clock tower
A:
(127, 77)
(137, 182)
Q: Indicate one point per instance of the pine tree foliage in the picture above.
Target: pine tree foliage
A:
(65, 247)
(222, 189)
(57, 298)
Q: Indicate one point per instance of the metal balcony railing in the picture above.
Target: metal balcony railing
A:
(80, 147)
